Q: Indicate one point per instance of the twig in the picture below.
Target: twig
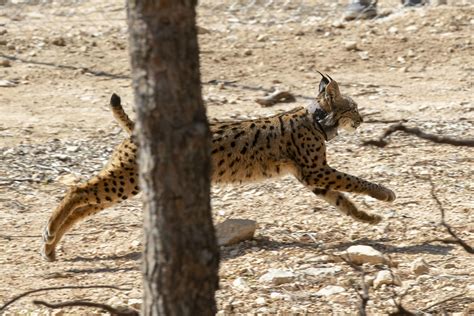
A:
(8, 303)
(381, 142)
(276, 97)
(427, 308)
(104, 307)
(458, 240)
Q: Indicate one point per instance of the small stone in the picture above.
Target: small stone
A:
(5, 63)
(248, 52)
(277, 277)
(233, 231)
(386, 277)
(278, 296)
(364, 55)
(351, 46)
(449, 265)
(202, 30)
(419, 267)
(321, 271)
(262, 38)
(68, 179)
(59, 41)
(330, 290)
(135, 303)
(136, 243)
(338, 25)
(72, 148)
(261, 301)
(360, 254)
(7, 83)
(241, 284)
(393, 30)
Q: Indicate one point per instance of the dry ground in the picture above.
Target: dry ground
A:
(415, 65)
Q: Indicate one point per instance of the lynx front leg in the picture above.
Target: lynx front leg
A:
(345, 206)
(332, 180)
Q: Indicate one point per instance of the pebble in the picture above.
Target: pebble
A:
(330, 290)
(360, 254)
(321, 271)
(386, 277)
(261, 301)
(233, 231)
(58, 41)
(419, 267)
(5, 63)
(364, 55)
(277, 277)
(351, 46)
(241, 284)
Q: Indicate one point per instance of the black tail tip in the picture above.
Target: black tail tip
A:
(115, 100)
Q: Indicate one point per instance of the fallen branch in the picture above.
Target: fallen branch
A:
(276, 97)
(16, 298)
(381, 142)
(104, 307)
(457, 240)
(427, 308)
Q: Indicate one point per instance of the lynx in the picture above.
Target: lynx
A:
(292, 142)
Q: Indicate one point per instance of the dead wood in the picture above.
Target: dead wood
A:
(107, 308)
(381, 142)
(276, 97)
(456, 240)
(16, 298)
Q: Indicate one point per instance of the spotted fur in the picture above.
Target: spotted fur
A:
(292, 142)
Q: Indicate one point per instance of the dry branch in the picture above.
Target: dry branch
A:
(381, 142)
(276, 97)
(104, 307)
(457, 240)
(16, 298)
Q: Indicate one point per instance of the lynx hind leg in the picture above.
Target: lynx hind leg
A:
(117, 182)
(346, 207)
(48, 250)
(122, 118)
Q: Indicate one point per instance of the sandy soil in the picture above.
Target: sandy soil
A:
(62, 62)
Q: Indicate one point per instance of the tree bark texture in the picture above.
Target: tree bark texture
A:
(181, 256)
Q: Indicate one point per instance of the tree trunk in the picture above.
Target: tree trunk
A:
(181, 256)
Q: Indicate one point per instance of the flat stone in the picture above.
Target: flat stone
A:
(233, 231)
(321, 271)
(330, 290)
(277, 277)
(419, 267)
(361, 254)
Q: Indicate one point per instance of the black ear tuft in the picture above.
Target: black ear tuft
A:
(323, 83)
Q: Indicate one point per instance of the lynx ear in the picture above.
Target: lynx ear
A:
(329, 88)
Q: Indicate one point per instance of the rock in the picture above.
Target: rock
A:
(241, 284)
(277, 276)
(419, 267)
(330, 290)
(393, 30)
(248, 52)
(58, 41)
(321, 271)
(386, 277)
(135, 303)
(68, 179)
(279, 296)
(7, 83)
(261, 301)
(360, 254)
(232, 231)
(351, 45)
(262, 38)
(5, 63)
(364, 55)
(202, 30)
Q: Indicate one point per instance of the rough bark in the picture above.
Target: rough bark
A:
(181, 256)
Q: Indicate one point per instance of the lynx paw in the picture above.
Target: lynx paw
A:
(48, 252)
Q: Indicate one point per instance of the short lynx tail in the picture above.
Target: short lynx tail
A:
(122, 118)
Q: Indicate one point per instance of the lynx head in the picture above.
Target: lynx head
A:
(333, 109)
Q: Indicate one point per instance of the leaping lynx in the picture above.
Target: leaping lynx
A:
(292, 142)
